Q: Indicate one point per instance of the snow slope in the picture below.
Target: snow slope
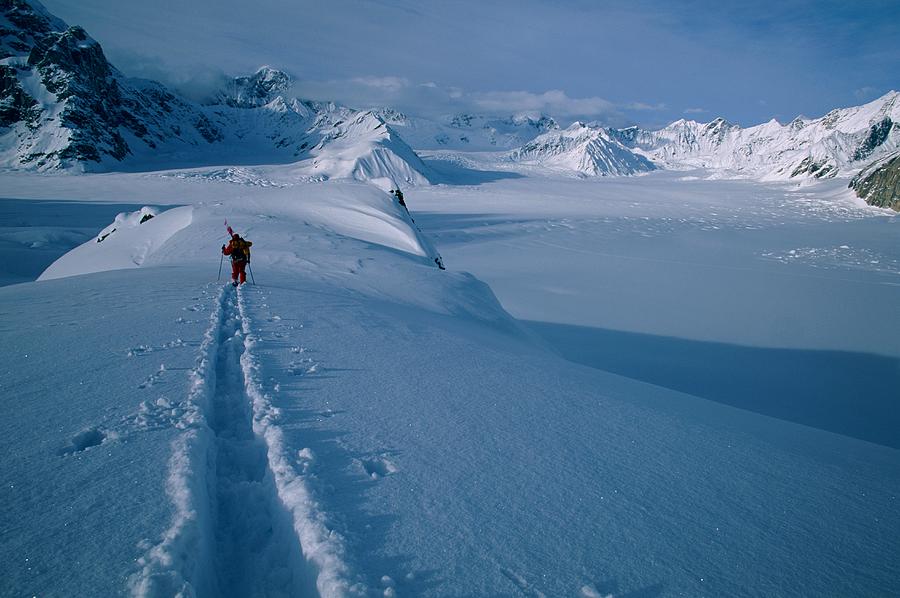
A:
(362, 423)
(126, 243)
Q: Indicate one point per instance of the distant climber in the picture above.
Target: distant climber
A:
(399, 195)
(239, 250)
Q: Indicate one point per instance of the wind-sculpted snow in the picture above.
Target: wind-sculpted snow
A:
(126, 243)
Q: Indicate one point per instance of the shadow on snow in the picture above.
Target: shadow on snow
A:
(854, 394)
(452, 173)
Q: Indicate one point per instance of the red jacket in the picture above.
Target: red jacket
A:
(238, 249)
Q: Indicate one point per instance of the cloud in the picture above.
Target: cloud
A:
(865, 93)
(642, 107)
(195, 82)
(694, 110)
(554, 102)
(386, 83)
(432, 100)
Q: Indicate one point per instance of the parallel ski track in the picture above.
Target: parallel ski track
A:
(242, 518)
(256, 550)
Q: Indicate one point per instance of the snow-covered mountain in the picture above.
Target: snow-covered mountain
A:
(253, 91)
(359, 145)
(585, 149)
(839, 143)
(62, 105)
(469, 132)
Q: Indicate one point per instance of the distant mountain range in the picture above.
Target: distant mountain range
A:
(62, 105)
(836, 144)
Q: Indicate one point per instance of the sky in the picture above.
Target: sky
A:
(619, 62)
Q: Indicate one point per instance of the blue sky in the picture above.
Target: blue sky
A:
(620, 62)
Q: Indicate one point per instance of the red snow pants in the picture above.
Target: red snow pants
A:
(238, 268)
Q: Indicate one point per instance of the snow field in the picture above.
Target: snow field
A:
(94, 385)
(367, 424)
(243, 518)
(493, 458)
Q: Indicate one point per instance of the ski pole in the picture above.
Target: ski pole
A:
(253, 280)
(221, 257)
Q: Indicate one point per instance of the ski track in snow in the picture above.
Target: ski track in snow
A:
(322, 546)
(245, 523)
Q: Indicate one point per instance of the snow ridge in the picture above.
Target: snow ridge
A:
(468, 132)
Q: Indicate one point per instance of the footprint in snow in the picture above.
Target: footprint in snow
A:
(144, 349)
(162, 413)
(84, 440)
(154, 377)
(378, 467)
(303, 367)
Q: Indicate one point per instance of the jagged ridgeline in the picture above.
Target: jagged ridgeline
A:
(63, 105)
(839, 143)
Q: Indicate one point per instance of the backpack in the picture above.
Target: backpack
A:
(240, 250)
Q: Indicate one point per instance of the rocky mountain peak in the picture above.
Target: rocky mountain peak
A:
(22, 24)
(257, 89)
(541, 122)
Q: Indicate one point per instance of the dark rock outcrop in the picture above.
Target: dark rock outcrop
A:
(878, 134)
(76, 108)
(879, 185)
